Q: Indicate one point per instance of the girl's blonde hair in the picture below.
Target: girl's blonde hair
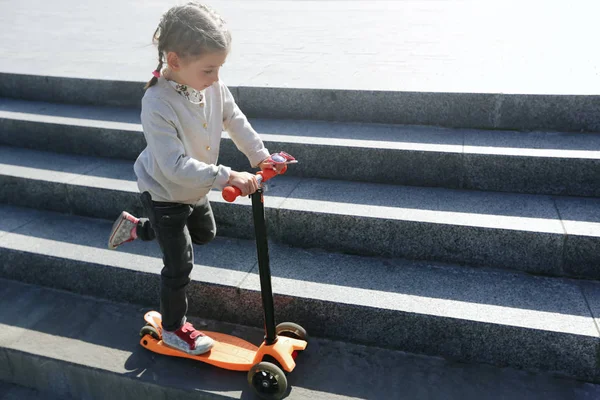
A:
(189, 30)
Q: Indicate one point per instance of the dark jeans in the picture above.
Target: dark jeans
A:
(176, 226)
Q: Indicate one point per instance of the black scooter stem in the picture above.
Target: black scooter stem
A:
(262, 249)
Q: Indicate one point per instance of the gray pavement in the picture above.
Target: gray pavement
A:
(94, 349)
(496, 46)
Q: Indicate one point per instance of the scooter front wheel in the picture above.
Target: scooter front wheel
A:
(268, 381)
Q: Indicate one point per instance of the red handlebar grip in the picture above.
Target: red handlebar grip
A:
(267, 174)
(230, 193)
(270, 173)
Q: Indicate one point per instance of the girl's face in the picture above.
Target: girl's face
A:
(198, 73)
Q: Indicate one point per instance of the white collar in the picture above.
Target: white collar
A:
(193, 95)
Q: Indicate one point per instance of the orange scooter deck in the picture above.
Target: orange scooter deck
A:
(228, 352)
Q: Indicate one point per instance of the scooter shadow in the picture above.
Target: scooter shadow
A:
(187, 375)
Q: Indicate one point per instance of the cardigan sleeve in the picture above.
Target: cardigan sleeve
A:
(241, 132)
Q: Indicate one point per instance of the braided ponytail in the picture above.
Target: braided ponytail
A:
(158, 33)
(157, 72)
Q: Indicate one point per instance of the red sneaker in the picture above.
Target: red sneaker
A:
(188, 340)
(123, 230)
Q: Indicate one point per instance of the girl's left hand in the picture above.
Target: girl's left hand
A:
(266, 164)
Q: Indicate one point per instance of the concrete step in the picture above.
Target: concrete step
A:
(532, 162)
(464, 314)
(89, 349)
(10, 391)
(557, 236)
(572, 113)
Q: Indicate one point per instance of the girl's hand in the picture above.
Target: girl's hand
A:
(266, 164)
(244, 181)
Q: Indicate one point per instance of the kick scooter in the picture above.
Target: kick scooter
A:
(266, 363)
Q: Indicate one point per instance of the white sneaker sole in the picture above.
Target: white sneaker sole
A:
(183, 347)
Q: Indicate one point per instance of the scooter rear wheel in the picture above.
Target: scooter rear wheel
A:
(149, 330)
(268, 381)
(292, 330)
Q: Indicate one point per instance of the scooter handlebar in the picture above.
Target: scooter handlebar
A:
(230, 193)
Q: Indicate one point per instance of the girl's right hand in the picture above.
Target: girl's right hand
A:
(244, 181)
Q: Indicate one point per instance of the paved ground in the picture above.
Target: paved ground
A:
(508, 46)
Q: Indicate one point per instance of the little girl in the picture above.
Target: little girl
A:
(184, 111)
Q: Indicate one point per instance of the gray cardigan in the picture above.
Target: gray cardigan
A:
(179, 163)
